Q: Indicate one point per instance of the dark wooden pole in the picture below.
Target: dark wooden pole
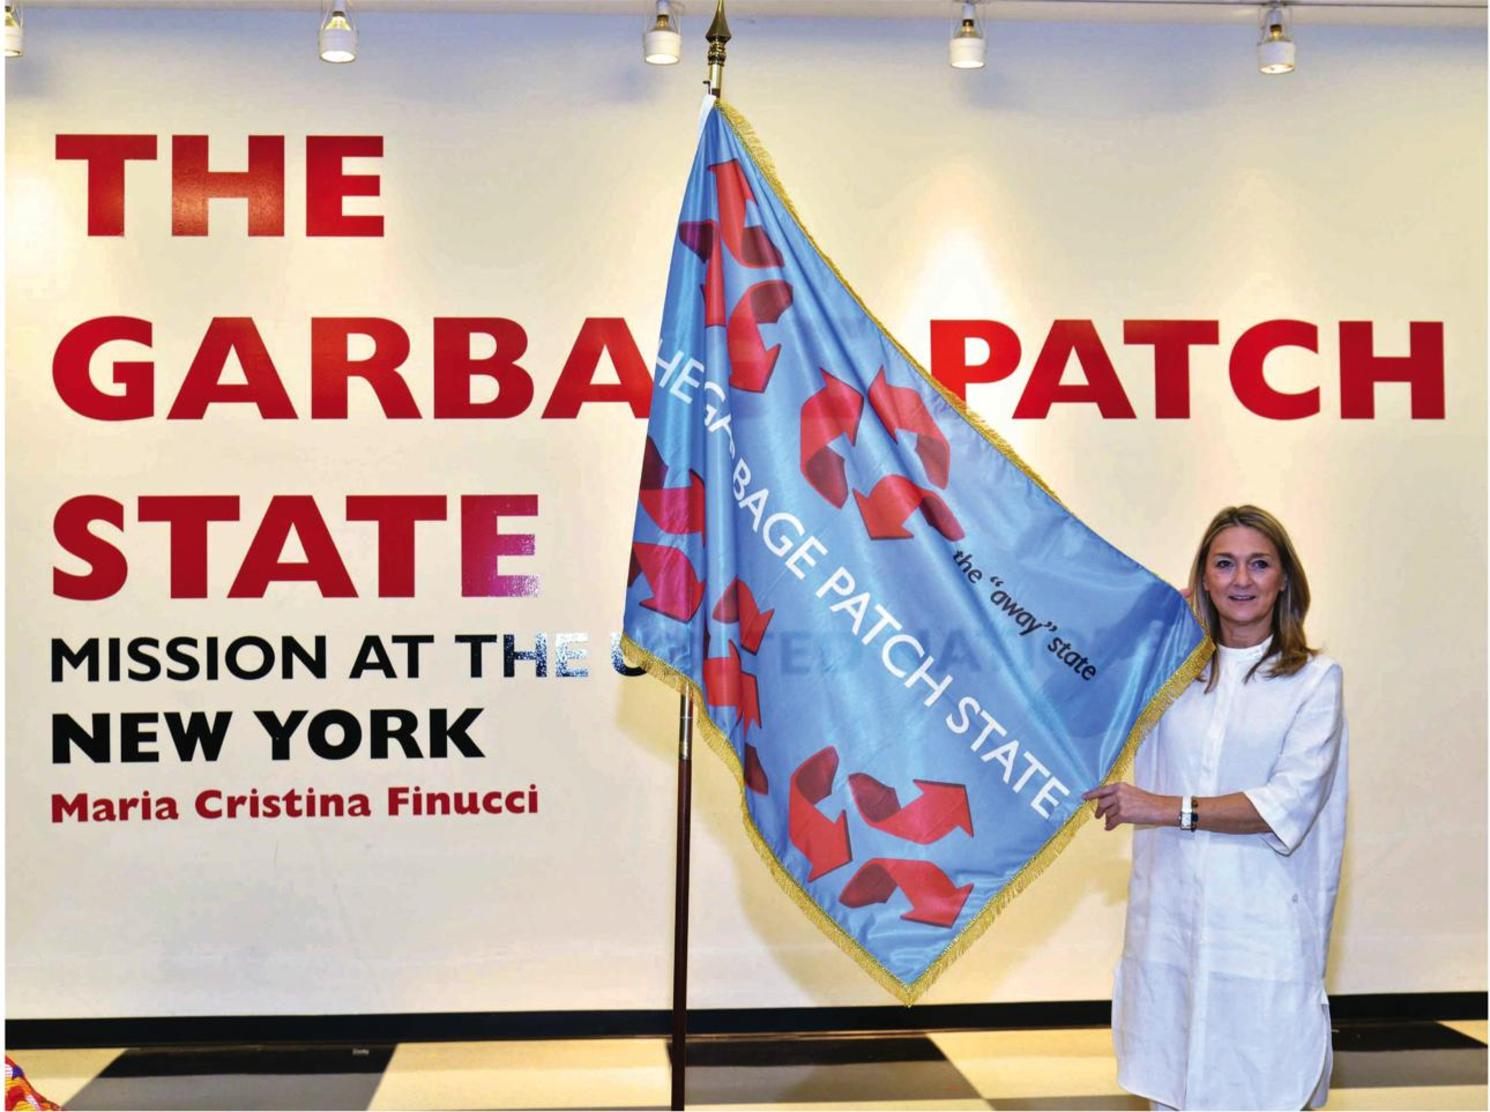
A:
(678, 1049)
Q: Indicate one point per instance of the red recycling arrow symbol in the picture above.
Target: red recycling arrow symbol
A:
(934, 899)
(893, 499)
(755, 773)
(702, 238)
(676, 587)
(832, 412)
(900, 407)
(824, 841)
(750, 361)
(726, 684)
(751, 246)
(737, 604)
(935, 813)
(677, 510)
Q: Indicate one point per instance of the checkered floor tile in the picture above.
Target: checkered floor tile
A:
(1400, 1066)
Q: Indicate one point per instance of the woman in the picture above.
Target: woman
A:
(1239, 803)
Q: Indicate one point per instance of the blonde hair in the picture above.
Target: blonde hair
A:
(1289, 650)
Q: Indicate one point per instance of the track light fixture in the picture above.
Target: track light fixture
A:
(662, 42)
(967, 47)
(14, 46)
(338, 37)
(1274, 47)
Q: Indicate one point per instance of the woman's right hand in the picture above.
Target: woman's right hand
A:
(1121, 802)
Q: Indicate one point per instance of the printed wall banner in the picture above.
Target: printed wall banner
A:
(326, 390)
(912, 655)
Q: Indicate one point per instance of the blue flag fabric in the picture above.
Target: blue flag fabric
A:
(912, 655)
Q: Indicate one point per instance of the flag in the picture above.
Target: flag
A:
(913, 657)
(20, 1094)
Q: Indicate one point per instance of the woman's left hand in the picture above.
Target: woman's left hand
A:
(1120, 803)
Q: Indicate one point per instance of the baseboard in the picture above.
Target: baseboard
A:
(23, 1034)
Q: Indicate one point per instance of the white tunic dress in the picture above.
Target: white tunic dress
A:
(1219, 1001)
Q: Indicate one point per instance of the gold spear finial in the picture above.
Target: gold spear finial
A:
(718, 38)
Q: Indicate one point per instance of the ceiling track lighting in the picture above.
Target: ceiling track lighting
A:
(662, 42)
(967, 48)
(337, 40)
(1275, 52)
(14, 44)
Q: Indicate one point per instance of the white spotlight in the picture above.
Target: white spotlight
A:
(662, 42)
(338, 38)
(967, 48)
(14, 46)
(1274, 47)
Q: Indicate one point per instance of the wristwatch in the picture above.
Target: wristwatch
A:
(1188, 815)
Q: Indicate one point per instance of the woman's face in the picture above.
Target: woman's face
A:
(1243, 577)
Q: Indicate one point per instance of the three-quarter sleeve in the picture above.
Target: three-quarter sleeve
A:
(1300, 781)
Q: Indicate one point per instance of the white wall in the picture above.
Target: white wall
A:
(532, 170)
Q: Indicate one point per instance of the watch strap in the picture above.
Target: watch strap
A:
(1188, 814)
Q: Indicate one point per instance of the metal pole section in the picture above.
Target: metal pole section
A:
(718, 36)
(678, 1048)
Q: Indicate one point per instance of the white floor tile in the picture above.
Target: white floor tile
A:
(1474, 1028)
(581, 1073)
(58, 1075)
(1072, 1062)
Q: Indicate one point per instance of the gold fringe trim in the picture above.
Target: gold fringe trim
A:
(637, 656)
(1186, 675)
(1047, 853)
(747, 136)
(720, 743)
(909, 993)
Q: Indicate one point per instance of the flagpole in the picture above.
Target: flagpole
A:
(718, 37)
(677, 1050)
